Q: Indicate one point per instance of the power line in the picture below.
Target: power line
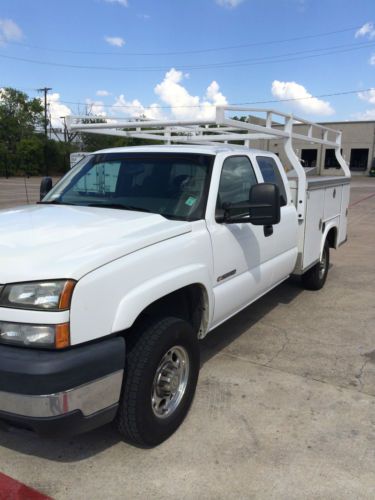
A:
(186, 52)
(351, 46)
(227, 64)
(333, 94)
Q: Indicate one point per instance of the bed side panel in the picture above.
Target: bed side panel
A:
(313, 226)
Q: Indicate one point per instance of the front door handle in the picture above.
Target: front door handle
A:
(268, 230)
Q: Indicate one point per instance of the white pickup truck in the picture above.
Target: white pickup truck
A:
(107, 285)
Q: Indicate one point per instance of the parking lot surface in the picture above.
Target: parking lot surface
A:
(19, 191)
(285, 405)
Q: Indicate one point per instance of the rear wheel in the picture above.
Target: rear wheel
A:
(160, 381)
(315, 277)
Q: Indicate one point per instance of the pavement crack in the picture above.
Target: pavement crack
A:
(282, 348)
(361, 373)
(304, 377)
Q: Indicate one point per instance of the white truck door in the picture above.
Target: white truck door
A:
(283, 245)
(241, 252)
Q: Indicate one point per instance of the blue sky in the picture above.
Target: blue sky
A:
(164, 47)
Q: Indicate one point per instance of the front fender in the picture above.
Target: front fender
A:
(137, 299)
(110, 298)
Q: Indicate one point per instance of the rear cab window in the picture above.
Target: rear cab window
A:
(271, 173)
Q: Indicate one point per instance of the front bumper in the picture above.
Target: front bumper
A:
(61, 392)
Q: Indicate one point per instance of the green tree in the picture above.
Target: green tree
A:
(95, 142)
(19, 118)
(30, 154)
(3, 160)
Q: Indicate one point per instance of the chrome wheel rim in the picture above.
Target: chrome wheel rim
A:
(170, 382)
(323, 265)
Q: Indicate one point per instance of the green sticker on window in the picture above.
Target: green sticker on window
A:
(190, 201)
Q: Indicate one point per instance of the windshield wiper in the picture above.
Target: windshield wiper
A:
(53, 202)
(175, 217)
(120, 206)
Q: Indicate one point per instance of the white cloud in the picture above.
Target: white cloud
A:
(369, 114)
(56, 109)
(172, 93)
(135, 109)
(124, 3)
(229, 3)
(102, 93)
(95, 108)
(144, 16)
(154, 112)
(304, 100)
(116, 41)
(132, 108)
(368, 96)
(9, 31)
(213, 94)
(367, 30)
(372, 60)
(185, 105)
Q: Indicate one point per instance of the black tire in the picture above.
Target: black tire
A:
(315, 277)
(136, 420)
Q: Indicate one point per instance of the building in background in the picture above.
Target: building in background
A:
(358, 147)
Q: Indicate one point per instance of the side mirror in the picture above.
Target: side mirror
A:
(264, 204)
(45, 187)
(262, 209)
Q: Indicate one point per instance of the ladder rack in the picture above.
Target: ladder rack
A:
(259, 124)
(220, 129)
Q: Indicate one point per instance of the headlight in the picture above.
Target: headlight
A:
(52, 336)
(45, 295)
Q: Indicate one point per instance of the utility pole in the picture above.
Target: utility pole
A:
(63, 118)
(45, 91)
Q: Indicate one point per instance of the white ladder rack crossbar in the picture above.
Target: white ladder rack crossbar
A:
(219, 129)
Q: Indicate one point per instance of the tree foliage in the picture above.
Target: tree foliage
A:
(95, 142)
(24, 150)
(30, 154)
(19, 117)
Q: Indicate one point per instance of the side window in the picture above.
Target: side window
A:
(237, 177)
(271, 173)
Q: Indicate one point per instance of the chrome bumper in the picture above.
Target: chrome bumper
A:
(88, 398)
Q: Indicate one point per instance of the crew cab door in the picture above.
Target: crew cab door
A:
(246, 257)
(284, 239)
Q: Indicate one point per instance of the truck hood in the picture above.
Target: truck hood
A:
(60, 241)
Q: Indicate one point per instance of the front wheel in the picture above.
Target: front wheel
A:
(315, 277)
(160, 381)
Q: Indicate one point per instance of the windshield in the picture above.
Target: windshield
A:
(172, 185)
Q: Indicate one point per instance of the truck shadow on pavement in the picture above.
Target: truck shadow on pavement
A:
(228, 332)
(82, 447)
